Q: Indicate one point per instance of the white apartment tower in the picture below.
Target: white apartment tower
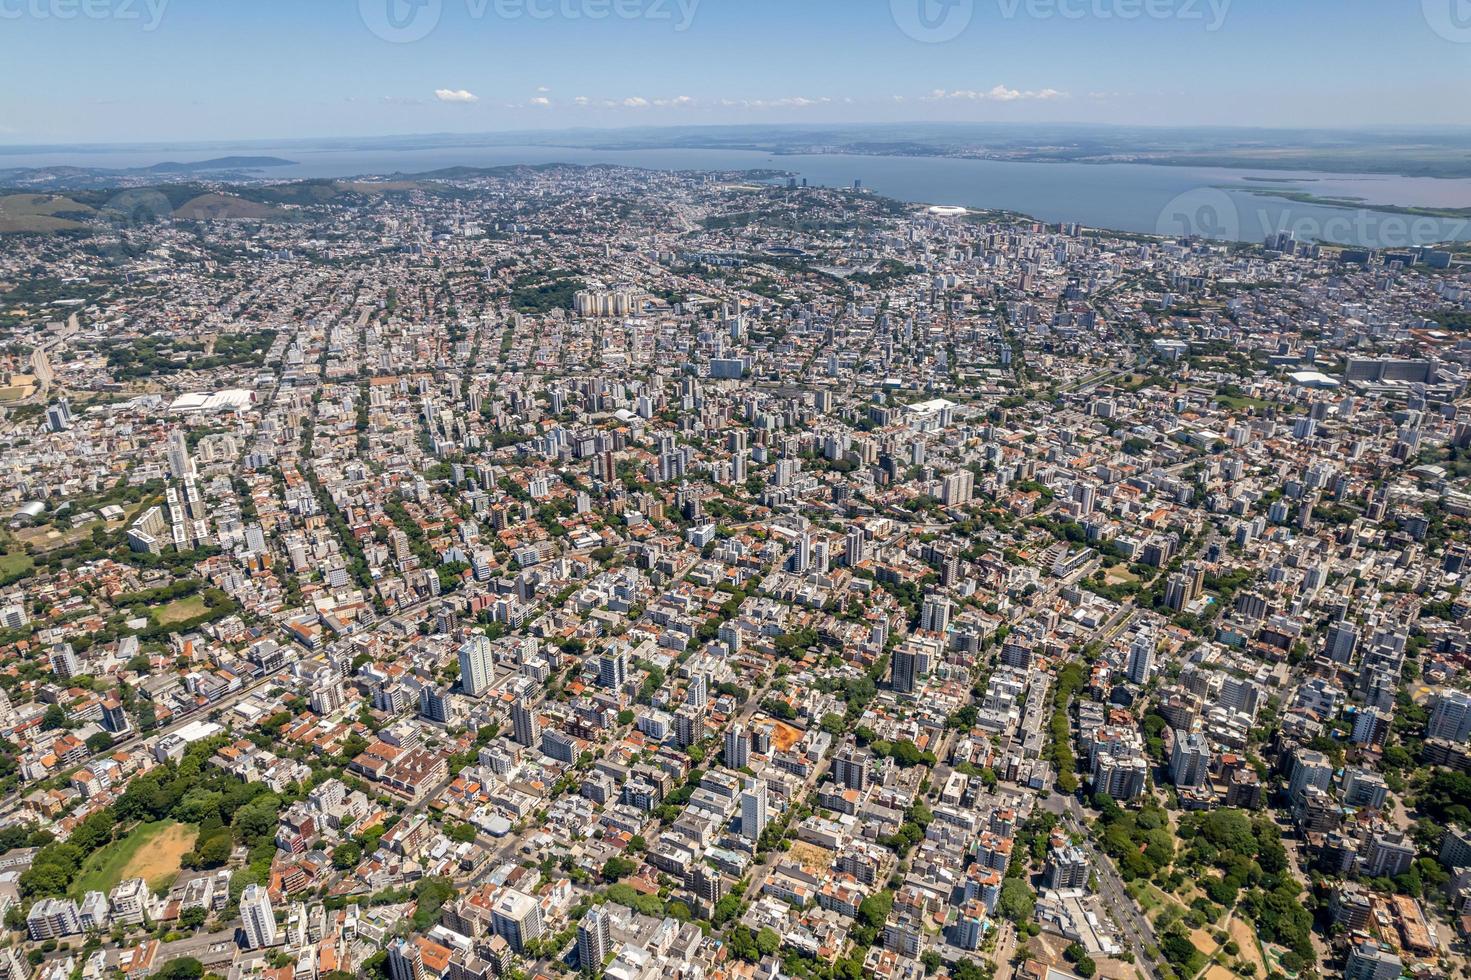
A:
(259, 917)
(477, 665)
(753, 810)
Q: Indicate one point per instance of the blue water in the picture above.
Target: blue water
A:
(1214, 202)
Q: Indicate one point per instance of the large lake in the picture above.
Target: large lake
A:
(1218, 203)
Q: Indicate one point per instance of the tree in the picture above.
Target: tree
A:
(873, 911)
(352, 746)
(213, 851)
(1017, 902)
(54, 718)
(184, 968)
(198, 805)
(1230, 830)
(1447, 797)
(617, 868)
(347, 856)
(963, 719)
(255, 820)
(1178, 949)
(376, 965)
(45, 879)
(727, 908)
(430, 894)
(768, 941)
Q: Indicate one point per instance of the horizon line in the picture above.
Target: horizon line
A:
(15, 148)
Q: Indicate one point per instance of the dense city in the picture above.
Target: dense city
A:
(553, 570)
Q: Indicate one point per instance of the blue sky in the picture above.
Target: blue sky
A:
(159, 70)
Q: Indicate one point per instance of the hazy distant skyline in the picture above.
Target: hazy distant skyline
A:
(87, 71)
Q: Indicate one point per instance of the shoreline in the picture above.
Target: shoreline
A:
(1358, 204)
(765, 176)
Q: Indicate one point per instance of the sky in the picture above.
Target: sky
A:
(128, 71)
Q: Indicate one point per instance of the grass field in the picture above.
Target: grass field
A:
(1240, 403)
(15, 563)
(46, 538)
(1149, 896)
(151, 851)
(181, 609)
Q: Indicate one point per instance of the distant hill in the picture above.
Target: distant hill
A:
(99, 210)
(218, 163)
(226, 207)
(41, 213)
(94, 202)
(101, 178)
(508, 170)
(302, 193)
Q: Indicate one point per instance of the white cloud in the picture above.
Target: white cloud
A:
(637, 102)
(997, 93)
(542, 89)
(790, 102)
(455, 95)
(541, 100)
